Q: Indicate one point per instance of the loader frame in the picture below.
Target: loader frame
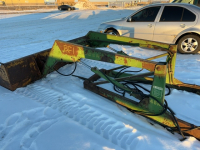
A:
(152, 106)
(93, 40)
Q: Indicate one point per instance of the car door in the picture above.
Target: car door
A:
(141, 25)
(65, 7)
(174, 19)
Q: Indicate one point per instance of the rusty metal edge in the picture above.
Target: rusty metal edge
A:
(23, 71)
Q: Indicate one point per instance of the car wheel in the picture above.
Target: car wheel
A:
(69, 9)
(113, 32)
(189, 44)
(59, 8)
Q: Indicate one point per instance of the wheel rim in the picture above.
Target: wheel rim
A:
(189, 45)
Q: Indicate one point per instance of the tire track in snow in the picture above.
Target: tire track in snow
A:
(21, 129)
(95, 120)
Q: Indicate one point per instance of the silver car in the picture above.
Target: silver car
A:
(172, 23)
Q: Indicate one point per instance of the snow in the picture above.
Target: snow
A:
(56, 112)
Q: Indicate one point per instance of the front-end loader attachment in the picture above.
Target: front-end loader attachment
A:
(153, 106)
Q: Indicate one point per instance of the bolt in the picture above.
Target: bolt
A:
(158, 68)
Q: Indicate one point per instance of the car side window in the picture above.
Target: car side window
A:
(171, 13)
(176, 14)
(146, 15)
(188, 16)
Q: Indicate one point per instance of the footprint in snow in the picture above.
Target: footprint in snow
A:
(21, 129)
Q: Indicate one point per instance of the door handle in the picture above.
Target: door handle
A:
(149, 25)
(182, 25)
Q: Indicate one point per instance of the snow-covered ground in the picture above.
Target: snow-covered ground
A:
(57, 113)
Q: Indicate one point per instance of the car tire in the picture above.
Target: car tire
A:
(60, 9)
(69, 9)
(113, 32)
(189, 44)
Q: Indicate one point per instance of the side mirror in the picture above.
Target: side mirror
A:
(129, 19)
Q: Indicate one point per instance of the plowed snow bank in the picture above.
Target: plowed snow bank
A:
(86, 4)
